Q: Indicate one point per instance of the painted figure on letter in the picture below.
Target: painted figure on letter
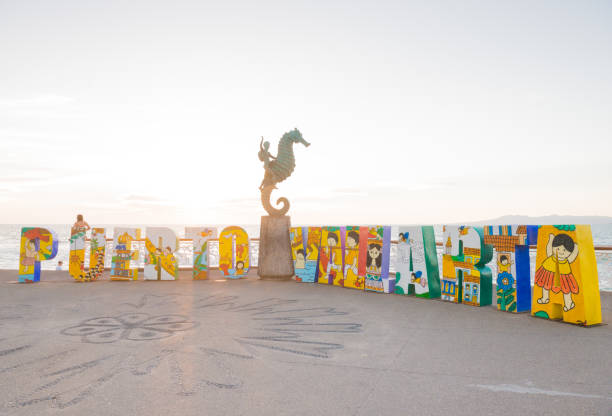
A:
(374, 262)
(561, 251)
(351, 261)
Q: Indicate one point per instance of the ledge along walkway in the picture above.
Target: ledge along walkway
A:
(274, 348)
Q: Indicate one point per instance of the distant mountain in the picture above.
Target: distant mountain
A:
(548, 219)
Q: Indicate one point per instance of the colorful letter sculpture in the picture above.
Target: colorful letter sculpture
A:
(305, 242)
(338, 255)
(37, 244)
(511, 244)
(160, 245)
(298, 253)
(313, 245)
(416, 265)
(123, 254)
(97, 251)
(234, 252)
(465, 276)
(355, 256)
(330, 257)
(566, 283)
(76, 263)
(200, 237)
(377, 260)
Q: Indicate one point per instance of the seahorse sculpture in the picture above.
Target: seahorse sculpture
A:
(277, 169)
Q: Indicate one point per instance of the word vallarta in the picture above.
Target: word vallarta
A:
(358, 257)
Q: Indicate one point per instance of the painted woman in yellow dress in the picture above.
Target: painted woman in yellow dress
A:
(561, 251)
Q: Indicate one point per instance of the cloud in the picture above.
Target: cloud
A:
(47, 106)
(21, 179)
(142, 198)
(240, 201)
(248, 203)
(45, 100)
(146, 201)
(21, 183)
(406, 185)
(15, 136)
(349, 192)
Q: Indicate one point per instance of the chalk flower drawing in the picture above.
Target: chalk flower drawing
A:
(129, 326)
(272, 327)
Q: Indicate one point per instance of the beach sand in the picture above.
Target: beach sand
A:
(271, 348)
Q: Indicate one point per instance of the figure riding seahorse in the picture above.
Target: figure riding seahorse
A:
(278, 168)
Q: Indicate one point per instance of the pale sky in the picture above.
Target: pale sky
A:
(418, 112)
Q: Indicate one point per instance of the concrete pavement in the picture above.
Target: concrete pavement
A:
(273, 348)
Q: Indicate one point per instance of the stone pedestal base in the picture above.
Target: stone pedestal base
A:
(275, 262)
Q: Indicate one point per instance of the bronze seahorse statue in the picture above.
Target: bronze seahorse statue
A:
(277, 169)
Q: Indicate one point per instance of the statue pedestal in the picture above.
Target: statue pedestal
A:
(275, 261)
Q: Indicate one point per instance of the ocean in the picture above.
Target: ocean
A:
(10, 233)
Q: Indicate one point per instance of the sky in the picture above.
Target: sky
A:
(417, 112)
